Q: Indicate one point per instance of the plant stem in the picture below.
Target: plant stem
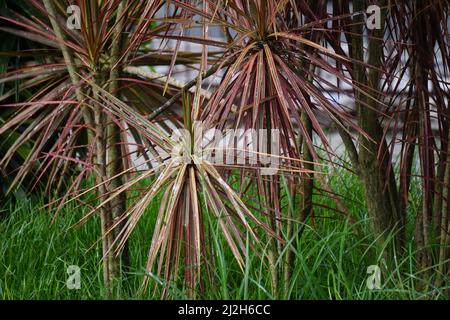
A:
(115, 163)
(70, 63)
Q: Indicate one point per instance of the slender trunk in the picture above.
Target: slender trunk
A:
(376, 170)
(96, 127)
(273, 252)
(115, 163)
(110, 263)
(443, 225)
(307, 179)
(307, 182)
(71, 67)
(444, 265)
(94, 123)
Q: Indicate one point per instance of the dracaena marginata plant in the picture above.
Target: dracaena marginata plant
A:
(65, 126)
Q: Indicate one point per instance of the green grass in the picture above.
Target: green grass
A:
(331, 260)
